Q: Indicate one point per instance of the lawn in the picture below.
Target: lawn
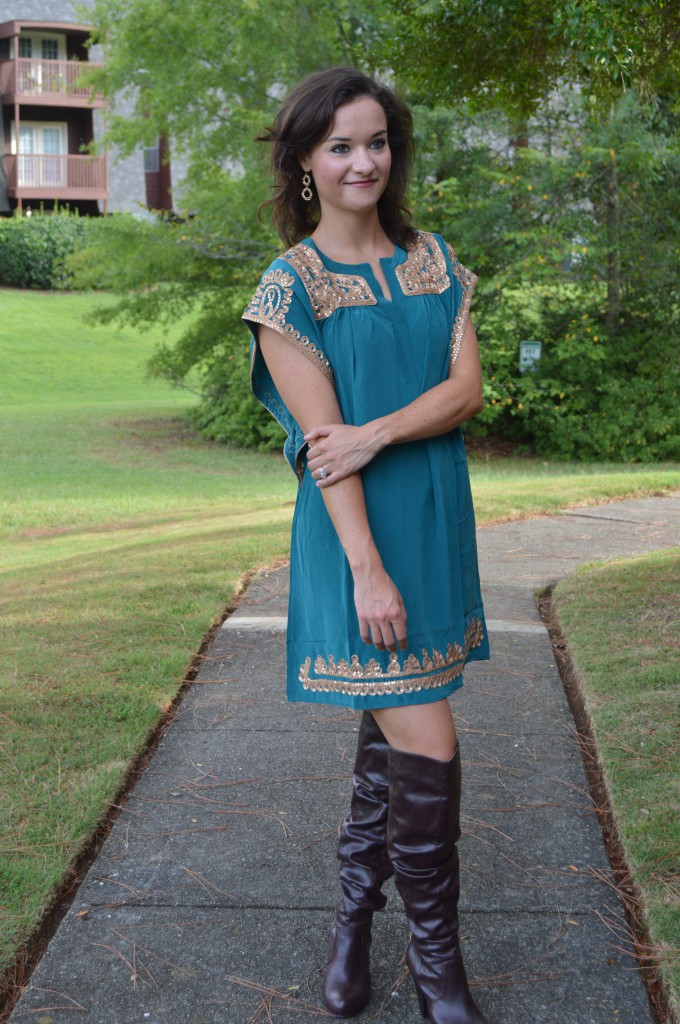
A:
(122, 538)
(622, 622)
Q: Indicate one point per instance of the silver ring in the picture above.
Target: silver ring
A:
(322, 473)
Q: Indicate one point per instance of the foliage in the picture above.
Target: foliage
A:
(211, 91)
(33, 250)
(533, 224)
(574, 237)
(171, 70)
(512, 54)
(172, 273)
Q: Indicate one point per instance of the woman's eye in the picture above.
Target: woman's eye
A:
(379, 144)
(341, 148)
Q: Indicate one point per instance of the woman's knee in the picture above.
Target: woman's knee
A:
(425, 729)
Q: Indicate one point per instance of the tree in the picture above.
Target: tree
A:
(510, 54)
(616, 67)
(209, 75)
(568, 223)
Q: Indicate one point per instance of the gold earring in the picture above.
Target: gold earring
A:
(306, 193)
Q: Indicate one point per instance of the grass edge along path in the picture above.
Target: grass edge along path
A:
(621, 623)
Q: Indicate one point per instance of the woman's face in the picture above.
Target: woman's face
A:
(351, 166)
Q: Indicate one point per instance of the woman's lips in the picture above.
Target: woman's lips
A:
(361, 184)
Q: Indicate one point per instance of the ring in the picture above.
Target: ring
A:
(322, 473)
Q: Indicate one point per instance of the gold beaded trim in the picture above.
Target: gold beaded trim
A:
(353, 678)
(269, 306)
(425, 271)
(467, 281)
(327, 291)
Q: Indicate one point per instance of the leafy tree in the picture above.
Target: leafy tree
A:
(608, 73)
(210, 76)
(511, 54)
(536, 159)
(532, 227)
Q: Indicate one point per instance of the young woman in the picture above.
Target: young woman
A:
(364, 351)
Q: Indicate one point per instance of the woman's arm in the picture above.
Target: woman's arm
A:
(343, 449)
(311, 399)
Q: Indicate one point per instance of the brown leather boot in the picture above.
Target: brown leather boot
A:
(423, 828)
(364, 866)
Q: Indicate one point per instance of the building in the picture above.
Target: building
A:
(47, 118)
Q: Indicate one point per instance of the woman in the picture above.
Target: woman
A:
(364, 351)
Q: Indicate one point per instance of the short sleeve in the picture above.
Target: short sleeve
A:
(280, 302)
(463, 282)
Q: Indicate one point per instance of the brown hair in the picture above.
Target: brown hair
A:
(304, 119)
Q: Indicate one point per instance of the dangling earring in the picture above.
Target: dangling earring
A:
(306, 193)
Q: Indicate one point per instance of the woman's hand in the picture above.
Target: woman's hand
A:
(380, 609)
(340, 450)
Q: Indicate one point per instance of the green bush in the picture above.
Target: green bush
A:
(229, 412)
(594, 281)
(196, 272)
(33, 249)
(213, 358)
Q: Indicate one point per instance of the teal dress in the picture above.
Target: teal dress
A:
(379, 355)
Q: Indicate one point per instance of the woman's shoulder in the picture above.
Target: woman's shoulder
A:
(441, 253)
(431, 241)
(426, 269)
(303, 271)
(295, 268)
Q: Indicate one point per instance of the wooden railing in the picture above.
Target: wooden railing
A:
(55, 174)
(27, 77)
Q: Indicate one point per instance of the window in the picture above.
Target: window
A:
(151, 161)
(50, 49)
(42, 150)
(41, 47)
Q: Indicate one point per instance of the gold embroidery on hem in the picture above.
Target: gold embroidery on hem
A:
(269, 306)
(372, 680)
(327, 291)
(467, 281)
(425, 271)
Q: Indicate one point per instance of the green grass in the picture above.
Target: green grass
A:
(514, 488)
(122, 537)
(622, 622)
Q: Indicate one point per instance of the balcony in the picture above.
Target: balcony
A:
(46, 83)
(42, 176)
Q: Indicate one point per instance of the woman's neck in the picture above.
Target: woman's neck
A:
(349, 239)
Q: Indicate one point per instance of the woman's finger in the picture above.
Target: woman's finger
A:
(399, 628)
(322, 431)
(377, 636)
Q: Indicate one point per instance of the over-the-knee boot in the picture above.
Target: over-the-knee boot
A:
(364, 866)
(423, 828)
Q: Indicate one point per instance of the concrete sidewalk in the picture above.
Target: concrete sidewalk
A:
(211, 900)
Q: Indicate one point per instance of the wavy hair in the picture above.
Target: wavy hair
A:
(304, 120)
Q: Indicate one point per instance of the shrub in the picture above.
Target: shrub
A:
(33, 249)
(595, 281)
(229, 412)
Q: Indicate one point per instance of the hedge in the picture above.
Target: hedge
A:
(33, 249)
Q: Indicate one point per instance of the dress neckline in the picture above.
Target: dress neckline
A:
(399, 256)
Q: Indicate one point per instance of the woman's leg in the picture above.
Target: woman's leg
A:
(426, 729)
(364, 866)
(422, 832)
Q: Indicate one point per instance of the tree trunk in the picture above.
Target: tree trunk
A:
(519, 136)
(612, 217)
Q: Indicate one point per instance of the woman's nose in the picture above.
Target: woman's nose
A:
(363, 161)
